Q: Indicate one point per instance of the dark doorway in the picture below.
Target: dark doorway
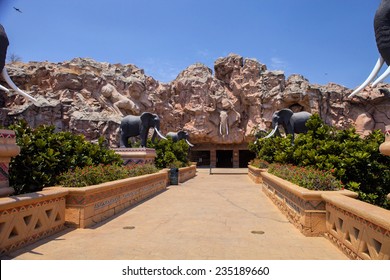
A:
(224, 158)
(202, 158)
(245, 156)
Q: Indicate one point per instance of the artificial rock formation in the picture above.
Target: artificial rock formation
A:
(89, 97)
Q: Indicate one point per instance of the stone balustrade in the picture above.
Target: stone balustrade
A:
(186, 173)
(255, 174)
(27, 218)
(304, 208)
(361, 230)
(88, 206)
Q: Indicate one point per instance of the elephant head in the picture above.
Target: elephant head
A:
(180, 135)
(132, 126)
(382, 36)
(3, 53)
(291, 122)
(223, 123)
(149, 120)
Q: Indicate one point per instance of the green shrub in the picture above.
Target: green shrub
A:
(306, 177)
(170, 154)
(93, 175)
(46, 154)
(356, 161)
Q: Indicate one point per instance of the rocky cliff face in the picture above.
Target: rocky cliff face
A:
(88, 97)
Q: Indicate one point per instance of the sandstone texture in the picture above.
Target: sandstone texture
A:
(221, 106)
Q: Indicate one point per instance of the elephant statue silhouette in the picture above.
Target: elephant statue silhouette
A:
(291, 122)
(177, 136)
(132, 126)
(3, 54)
(382, 36)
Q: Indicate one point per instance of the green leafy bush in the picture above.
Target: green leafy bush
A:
(306, 177)
(93, 175)
(170, 154)
(46, 154)
(356, 161)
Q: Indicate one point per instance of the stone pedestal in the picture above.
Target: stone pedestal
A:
(136, 155)
(8, 149)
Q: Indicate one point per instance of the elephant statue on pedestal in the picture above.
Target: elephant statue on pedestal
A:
(291, 122)
(132, 126)
(3, 54)
(177, 136)
(382, 36)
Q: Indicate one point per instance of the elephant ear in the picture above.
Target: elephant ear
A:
(286, 113)
(145, 118)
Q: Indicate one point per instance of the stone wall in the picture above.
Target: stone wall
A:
(223, 106)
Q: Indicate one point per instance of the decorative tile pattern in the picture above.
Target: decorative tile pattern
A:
(356, 236)
(4, 171)
(26, 224)
(306, 215)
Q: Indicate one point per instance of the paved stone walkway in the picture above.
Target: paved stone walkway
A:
(224, 216)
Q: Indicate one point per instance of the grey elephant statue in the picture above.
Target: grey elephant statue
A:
(3, 54)
(177, 136)
(291, 122)
(382, 36)
(132, 126)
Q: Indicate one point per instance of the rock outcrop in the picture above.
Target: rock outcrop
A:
(88, 97)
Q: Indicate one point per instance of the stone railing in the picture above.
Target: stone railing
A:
(359, 229)
(255, 174)
(27, 218)
(186, 173)
(304, 208)
(90, 205)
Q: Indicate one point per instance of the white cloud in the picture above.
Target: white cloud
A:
(278, 63)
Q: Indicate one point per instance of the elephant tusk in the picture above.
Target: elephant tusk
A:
(6, 77)
(227, 130)
(371, 77)
(4, 89)
(272, 132)
(382, 77)
(189, 144)
(159, 134)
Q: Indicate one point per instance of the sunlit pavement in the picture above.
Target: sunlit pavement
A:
(213, 216)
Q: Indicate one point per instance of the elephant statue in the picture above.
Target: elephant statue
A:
(3, 54)
(132, 126)
(382, 35)
(177, 136)
(223, 123)
(291, 122)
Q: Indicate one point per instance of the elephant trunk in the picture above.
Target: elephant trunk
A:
(6, 77)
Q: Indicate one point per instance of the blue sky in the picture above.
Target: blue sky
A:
(324, 40)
